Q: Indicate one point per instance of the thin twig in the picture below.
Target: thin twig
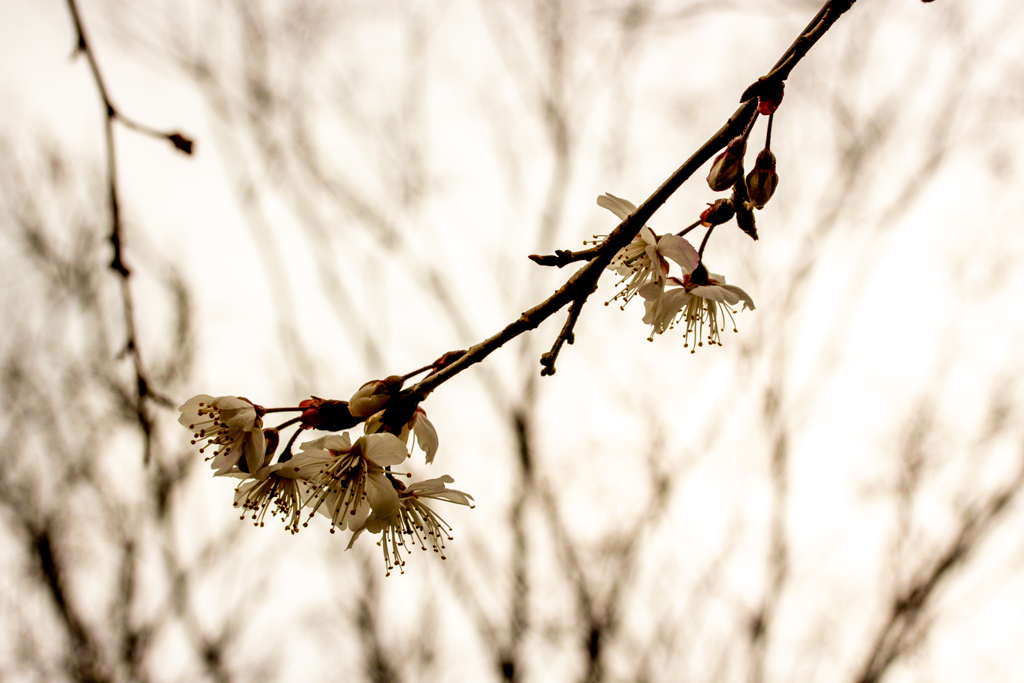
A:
(563, 257)
(566, 336)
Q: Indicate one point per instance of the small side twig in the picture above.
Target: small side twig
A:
(563, 257)
(566, 336)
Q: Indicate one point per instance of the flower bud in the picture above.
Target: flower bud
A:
(373, 396)
(770, 97)
(728, 166)
(716, 214)
(762, 181)
(327, 415)
(447, 359)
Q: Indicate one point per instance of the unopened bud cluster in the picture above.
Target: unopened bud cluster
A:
(759, 185)
(355, 484)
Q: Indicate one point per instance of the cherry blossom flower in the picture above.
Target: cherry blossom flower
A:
(414, 519)
(232, 425)
(662, 306)
(285, 486)
(418, 428)
(700, 298)
(353, 482)
(645, 259)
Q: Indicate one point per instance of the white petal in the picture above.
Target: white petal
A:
(383, 449)
(659, 266)
(716, 293)
(352, 540)
(620, 207)
(368, 399)
(238, 413)
(457, 497)
(431, 485)
(357, 520)
(373, 423)
(651, 290)
(254, 445)
(303, 464)
(381, 495)
(648, 236)
(662, 311)
(331, 442)
(436, 489)
(453, 496)
(190, 409)
(426, 436)
(748, 303)
(679, 250)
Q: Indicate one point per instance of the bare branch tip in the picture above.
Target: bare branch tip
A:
(181, 143)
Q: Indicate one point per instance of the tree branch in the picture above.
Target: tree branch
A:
(584, 281)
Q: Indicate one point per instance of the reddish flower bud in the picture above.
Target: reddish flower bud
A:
(728, 166)
(327, 415)
(762, 181)
(770, 97)
(447, 359)
(717, 213)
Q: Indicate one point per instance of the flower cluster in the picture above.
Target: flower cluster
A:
(700, 299)
(351, 483)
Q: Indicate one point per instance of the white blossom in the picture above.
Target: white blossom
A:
(285, 486)
(646, 259)
(232, 425)
(412, 518)
(706, 301)
(352, 483)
